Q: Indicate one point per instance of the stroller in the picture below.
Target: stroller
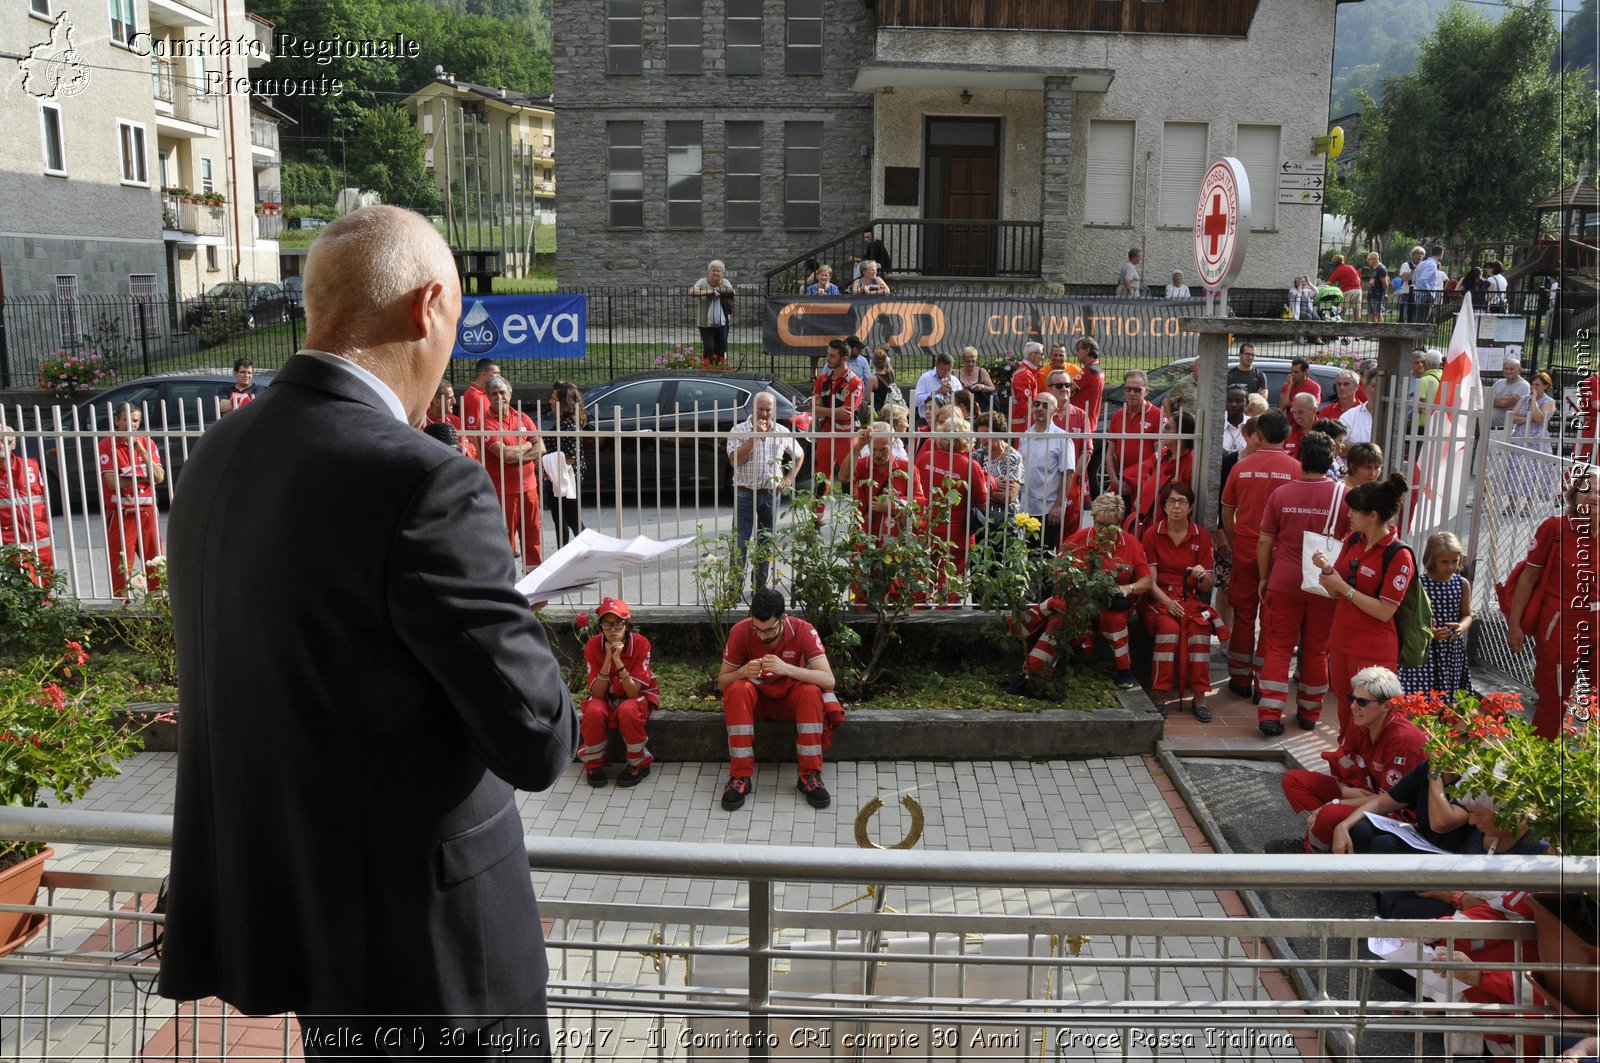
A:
(1330, 303)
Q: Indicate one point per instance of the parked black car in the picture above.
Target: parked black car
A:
(635, 408)
(176, 407)
(294, 288)
(255, 303)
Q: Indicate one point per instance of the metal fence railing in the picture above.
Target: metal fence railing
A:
(655, 472)
(630, 330)
(805, 952)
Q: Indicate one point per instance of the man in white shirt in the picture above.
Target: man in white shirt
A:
(1129, 284)
(940, 380)
(1358, 419)
(1408, 295)
(1048, 458)
(757, 449)
(1508, 391)
(1427, 283)
(1233, 423)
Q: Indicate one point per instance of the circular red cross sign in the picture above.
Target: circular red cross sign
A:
(1222, 223)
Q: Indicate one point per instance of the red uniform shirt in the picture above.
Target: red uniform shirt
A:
(1575, 583)
(1297, 507)
(1332, 411)
(24, 518)
(1377, 765)
(1091, 388)
(1309, 386)
(899, 478)
(1132, 453)
(129, 456)
(941, 469)
(1172, 560)
(1162, 468)
(1357, 633)
(798, 645)
(1024, 386)
(635, 661)
(1124, 558)
(513, 431)
(842, 393)
(1250, 485)
(1291, 444)
(474, 408)
(1075, 422)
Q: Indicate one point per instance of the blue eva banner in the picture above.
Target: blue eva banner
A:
(522, 326)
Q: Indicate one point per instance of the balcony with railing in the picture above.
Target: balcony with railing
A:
(264, 135)
(182, 215)
(269, 213)
(165, 74)
(930, 249)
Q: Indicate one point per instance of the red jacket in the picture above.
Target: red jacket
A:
(941, 469)
(24, 517)
(899, 480)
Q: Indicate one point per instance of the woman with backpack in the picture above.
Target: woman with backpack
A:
(1554, 598)
(1367, 582)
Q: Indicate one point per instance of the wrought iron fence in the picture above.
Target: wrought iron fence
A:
(981, 955)
(630, 331)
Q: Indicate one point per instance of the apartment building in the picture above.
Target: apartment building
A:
(481, 140)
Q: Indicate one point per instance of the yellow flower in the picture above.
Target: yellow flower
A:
(1027, 522)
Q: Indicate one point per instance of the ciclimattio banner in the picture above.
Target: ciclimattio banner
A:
(797, 324)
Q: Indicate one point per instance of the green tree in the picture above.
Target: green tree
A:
(386, 157)
(1458, 148)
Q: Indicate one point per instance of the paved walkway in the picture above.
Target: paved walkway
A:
(1110, 805)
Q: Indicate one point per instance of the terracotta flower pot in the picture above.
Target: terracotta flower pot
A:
(1573, 991)
(19, 884)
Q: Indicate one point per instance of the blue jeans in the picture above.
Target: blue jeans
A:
(754, 512)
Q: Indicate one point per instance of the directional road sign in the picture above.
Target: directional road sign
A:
(1308, 196)
(1303, 166)
(1301, 180)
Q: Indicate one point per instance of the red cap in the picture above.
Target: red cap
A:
(615, 606)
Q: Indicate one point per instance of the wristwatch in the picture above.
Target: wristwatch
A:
(1349, 594)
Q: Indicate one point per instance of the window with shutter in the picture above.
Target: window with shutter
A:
(1108, 198)
(1257, 148)
(1183, 170)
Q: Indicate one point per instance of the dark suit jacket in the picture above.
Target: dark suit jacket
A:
(361, 688)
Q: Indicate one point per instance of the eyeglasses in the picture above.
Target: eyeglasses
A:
(613, 621)
(769, 632)
(1059, 387)
(1041, 406)
(1133, 389)
(1364, 702)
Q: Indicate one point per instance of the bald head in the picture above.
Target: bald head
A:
(381, 289)
(367, 266)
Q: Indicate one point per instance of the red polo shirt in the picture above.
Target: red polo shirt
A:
(799, 645)
(1354, 632)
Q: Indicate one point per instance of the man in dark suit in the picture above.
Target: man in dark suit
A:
(361, 688)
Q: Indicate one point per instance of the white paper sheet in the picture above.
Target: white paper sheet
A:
(588, 558)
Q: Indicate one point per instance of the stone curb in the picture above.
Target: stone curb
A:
(1129, 728)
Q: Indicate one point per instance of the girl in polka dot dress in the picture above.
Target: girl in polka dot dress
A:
(1450, 593)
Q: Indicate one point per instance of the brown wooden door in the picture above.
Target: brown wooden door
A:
(963, 168)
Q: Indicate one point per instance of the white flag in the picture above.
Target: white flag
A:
(1442, 462)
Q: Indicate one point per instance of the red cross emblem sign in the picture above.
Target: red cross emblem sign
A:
(1222, 223)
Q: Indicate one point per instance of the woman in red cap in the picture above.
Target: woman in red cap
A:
(621, 690)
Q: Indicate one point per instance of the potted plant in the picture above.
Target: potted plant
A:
(1551, 787)
(66, 374)
(60, 730)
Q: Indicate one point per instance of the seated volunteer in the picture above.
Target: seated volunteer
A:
(1376, 752)
(1421, 800)
(775, 668)
(622, 692)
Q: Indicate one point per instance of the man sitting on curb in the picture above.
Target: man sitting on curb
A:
(1378, 751)
(775, 668)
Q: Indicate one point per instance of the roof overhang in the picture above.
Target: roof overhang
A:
(871, 77)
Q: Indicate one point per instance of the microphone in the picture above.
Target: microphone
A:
(443, 431)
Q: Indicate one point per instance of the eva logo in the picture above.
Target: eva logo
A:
(477, 333)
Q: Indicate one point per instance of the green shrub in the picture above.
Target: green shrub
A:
(36, 614)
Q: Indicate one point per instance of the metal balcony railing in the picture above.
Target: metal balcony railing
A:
(264, 134)
(198, 219)
(975, 945)
(927, 248)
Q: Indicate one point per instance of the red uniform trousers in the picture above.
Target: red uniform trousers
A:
(1315, 795)
(1113, 624)
(1191, 635)
(524, 524)
(1244, 655)
(1296, 619)
(628, 715)
(131, 532)
(744, 702)
(1569, 645)
(1341, 666)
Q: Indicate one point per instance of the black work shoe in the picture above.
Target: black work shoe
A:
(1305, 722)
(1270, 728)
(1124, 680)
(1018, 686)
(817, 794)
(632, 776)
(1255, 696)
(1244, 690)
(736, 791)
(1285, 845)
(1199, 709)
(597, 777)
